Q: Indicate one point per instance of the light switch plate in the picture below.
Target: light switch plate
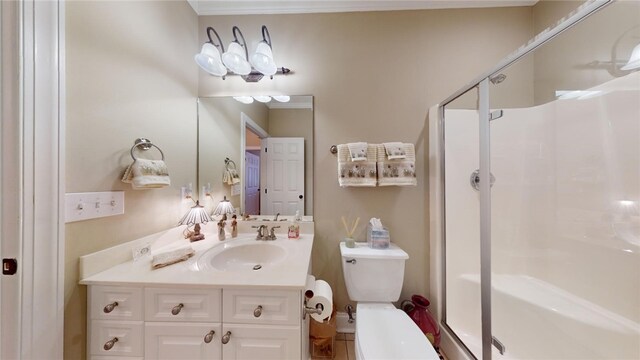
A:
(235, 189)
(91, 205)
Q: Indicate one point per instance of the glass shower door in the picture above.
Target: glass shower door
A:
(462, 305)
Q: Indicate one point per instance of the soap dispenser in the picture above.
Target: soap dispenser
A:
(294, 227)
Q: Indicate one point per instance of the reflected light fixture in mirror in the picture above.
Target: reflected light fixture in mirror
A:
(282, 98)
(634, 60)
(262, 98)
(244, 99)
(196, 216)
(236, 59)
(224, 208)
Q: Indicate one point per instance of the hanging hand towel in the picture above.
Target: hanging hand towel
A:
(397, 171)
(358, 151)
(171, 257)
(356, 173)
(395, 150)
(147, 174)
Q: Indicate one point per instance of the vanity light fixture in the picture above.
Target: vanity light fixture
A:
(196, 216)
(262, 98)
(236, 59)
(224, 208)
(282, 98)
(244, 99)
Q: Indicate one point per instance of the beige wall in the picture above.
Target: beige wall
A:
(297, 123)
(220, 132)
(130, 74)
(373, 76)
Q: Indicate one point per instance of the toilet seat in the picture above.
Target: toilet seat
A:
(384, 332)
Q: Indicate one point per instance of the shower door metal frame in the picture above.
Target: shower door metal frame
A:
(482, 83)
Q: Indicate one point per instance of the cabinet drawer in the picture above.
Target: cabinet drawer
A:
(270, 306)
(130, 337)
(193, 341)
(182, 305)
(115, 303)
(114, 358)
(251, 342)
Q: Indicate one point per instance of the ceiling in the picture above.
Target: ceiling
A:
(244, 7)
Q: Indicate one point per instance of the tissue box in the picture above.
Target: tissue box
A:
(378, 239)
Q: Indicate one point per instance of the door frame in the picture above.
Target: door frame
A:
(247, 123)
(32, 165)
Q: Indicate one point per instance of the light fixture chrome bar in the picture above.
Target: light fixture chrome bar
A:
(485, 217)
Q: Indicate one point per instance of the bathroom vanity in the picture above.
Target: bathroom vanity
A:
(216, 305)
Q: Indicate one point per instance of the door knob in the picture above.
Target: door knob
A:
(209, 336)
(300, 196)
(226, 337)
(109, 308)
(176, 309)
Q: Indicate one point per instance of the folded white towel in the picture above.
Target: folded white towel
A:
(394, 150)
(358, 151)
(356, 173)
(397, 172)
(147, 174)
(172, 256)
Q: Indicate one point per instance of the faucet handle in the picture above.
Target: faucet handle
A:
(272, 232)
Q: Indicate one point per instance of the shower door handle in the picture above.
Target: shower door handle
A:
(500, 346)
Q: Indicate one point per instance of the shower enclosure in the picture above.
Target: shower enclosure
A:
(535, 192)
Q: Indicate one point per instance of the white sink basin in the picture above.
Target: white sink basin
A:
(243, 255)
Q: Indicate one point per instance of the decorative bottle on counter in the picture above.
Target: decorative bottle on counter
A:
(294, 228)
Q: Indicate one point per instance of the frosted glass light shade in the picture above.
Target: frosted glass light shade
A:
(634, 60)
(262, 59)
(209, 60)
(282, 98)
(262, 98)
(235, 60)
(244, 99)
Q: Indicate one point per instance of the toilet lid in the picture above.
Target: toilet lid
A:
(384, 332)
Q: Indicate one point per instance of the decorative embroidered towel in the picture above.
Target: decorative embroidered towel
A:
(171, 257)
(394, 150)
(356, 173)
(397, 172)
(147, 174)
(358, 151)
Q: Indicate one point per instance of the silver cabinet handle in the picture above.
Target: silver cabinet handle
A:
(351, 261)
(226, 337)
(209, 336)
(258, 311)
(109, 308)
(109, 344)
(176, 309)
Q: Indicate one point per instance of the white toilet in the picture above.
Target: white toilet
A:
(374, 279)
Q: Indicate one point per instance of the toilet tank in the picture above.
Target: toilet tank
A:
(373, 275)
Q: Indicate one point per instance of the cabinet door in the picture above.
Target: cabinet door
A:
(167, 340)
(263, 342)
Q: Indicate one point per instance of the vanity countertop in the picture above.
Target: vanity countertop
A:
(290, 273)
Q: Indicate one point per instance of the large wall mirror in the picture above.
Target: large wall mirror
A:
(259, 155)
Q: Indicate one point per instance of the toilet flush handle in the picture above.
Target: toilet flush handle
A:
(351, 261)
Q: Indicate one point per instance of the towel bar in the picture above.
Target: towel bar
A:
(228, 161)
(144, 144)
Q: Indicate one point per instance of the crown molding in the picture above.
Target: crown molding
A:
(222, 7)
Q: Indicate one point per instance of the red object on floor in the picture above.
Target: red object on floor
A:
(417, 309)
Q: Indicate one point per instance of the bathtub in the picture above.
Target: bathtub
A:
(537, 320)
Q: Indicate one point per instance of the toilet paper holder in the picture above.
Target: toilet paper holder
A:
(310, 310)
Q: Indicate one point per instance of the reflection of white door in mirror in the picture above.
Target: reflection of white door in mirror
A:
(283, 182)
(252, 183)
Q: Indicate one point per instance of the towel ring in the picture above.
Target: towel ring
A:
(144, 144)
(228, 161)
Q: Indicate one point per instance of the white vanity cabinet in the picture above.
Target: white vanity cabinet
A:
(194, 323)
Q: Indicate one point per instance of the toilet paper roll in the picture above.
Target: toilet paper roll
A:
(310, 287)
(323, 299)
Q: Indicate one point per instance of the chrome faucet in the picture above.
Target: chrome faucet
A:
(261, 229)
(276, 218)
(272, 233)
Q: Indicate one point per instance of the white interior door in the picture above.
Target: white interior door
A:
(252, 183)
(284, 176)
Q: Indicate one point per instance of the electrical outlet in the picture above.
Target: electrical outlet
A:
(235, 189)
(186, 192)
(91, 205)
